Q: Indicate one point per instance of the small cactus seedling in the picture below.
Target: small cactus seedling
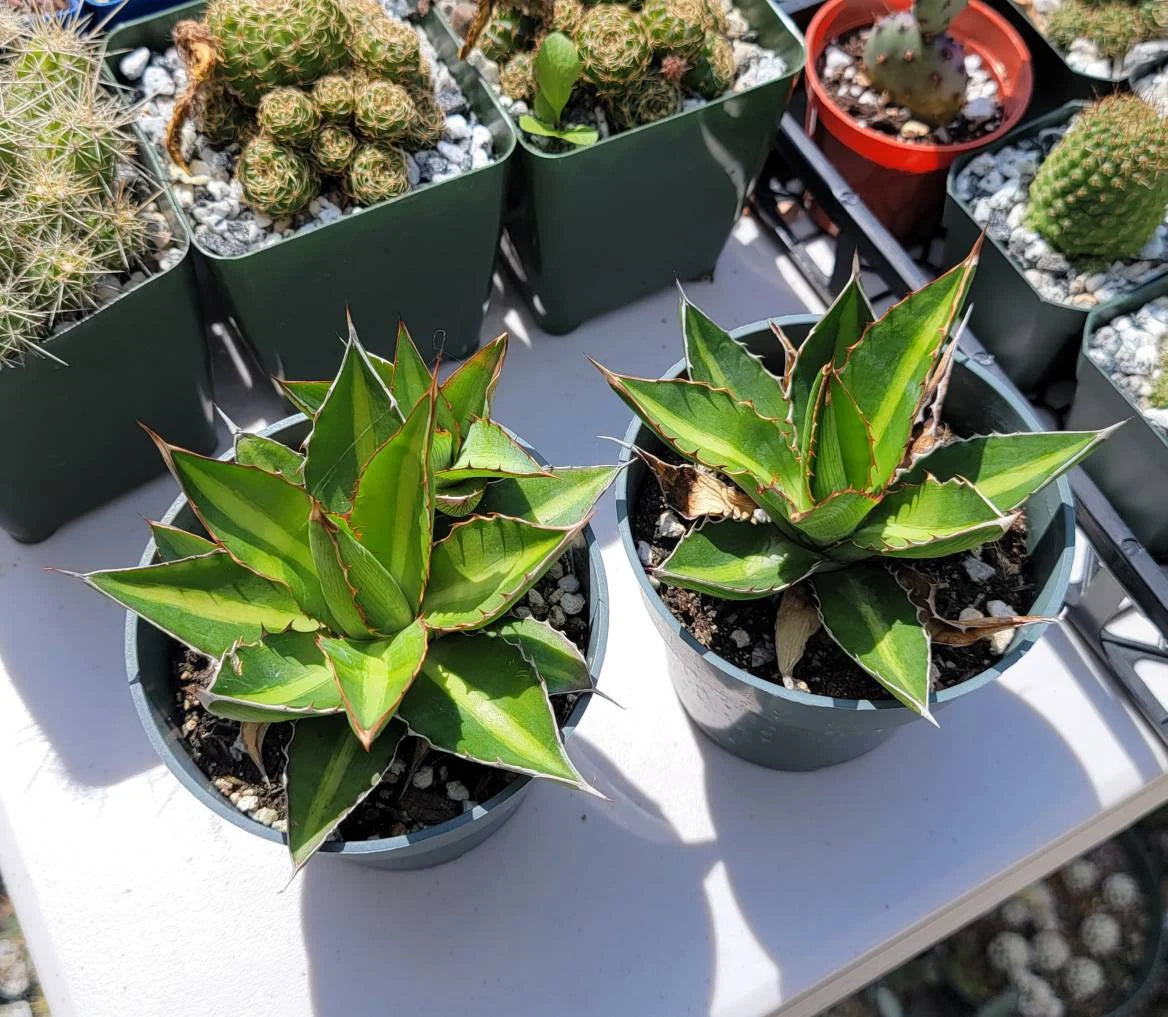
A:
(276, 178)
(382, 46)
(332, 149)
(517, 77)
(429, 123)
(288, 115)
(384, 111)
(713, 70)
(1103, 190)
(614, 47)
(376, 173)
(911, 56)
(677, 26)
(653, 99)
(507, 32)
(335, 96)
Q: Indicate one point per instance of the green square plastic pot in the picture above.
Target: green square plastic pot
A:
(75, 438)
(593, 229)
(1027, 333)
(765, 723)
(149, 665)
(1132, 468)
(425, 258)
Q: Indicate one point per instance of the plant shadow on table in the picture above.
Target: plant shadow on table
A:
(606, 909)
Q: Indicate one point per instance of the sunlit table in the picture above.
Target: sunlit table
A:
(704, 885)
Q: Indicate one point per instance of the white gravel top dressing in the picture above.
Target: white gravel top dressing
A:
(995, 186)
(755, 66)
(213, 199)
(1153, 89)
(1084, 56)
(1131, 350)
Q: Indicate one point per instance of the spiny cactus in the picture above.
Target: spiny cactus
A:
(567, 16)
(381, 45)
(288, 115)
(517, 77)
(430, 122)
(1103, 190)
(713, 69)
(384, 111)
(65, 219)
(677, 26)
(335, 96)
(277, 180)
(614, 48)
(1115, 26)
(652, 99)
(265, 43)
(377, 172)
(222, 118)
(911, 56)
(332, 148)
(507, 32)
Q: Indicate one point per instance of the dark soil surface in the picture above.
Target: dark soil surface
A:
(884, 115)
(825, 668)
(397, 806)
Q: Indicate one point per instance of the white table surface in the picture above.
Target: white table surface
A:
(704, 886)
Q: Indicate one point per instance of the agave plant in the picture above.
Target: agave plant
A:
(824, 483)
(331, 595)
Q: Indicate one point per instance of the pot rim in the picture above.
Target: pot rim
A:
(1104, 315)
(1029, 636)
(926, 151)
(170, 748)
(160, 170)
(797, 63)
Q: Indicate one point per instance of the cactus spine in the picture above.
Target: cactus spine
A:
(614, 47)
(376, 173)
(287, 114)
(1103, 190)
(266, 43)
(517, 77)
(333, 148)
(911, 56)
(384, 111)
(65, 219)
(277, 180)
(677, 26)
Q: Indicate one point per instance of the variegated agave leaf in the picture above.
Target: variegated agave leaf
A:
(844, 462)
(327, 595)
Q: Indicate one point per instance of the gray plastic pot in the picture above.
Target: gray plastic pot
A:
(149, 653)
(1132, 470)
(768, 724)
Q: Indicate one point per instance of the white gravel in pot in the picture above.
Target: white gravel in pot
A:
(1131, 350)
(214, 201)
(995, 186)
(1083, 54)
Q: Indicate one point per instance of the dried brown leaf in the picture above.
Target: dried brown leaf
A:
(252, 733)
(697, 494)
(796, 621)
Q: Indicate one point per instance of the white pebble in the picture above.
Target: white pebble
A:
(977, 570)
(456, 791)
(740, 638)
(134, 63)
(572, 603)
(423, 777)
(247, 803)
(569, 583)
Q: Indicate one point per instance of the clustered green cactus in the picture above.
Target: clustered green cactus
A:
(912, 57)
(1115, 26)
(348, 601)
(833, 476)
(634, 57)
(1103, 190)
(322, 87)
(66, 218)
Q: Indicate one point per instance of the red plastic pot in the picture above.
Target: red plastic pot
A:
(903, 182)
